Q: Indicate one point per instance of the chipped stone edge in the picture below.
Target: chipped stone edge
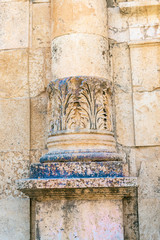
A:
(77, 183)
(83, 188)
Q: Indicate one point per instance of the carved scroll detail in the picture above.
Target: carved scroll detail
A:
(79, 103)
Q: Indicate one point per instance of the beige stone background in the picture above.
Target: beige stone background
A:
(25, 70)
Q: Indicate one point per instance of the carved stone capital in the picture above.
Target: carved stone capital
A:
(79, 104)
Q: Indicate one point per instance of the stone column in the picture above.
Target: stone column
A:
(80, 186)
(80, 112)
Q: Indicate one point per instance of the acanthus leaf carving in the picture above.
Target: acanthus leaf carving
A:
(80, 103)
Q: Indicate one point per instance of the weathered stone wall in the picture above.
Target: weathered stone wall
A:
(24, 74)
(135, 51)
(25, 71)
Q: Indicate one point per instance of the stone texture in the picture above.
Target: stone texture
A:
(36, 154)
(14, 73)
(124, 117)
(121, 66)
(14, 219)
(39, 70)
(146, 117)
(79, 54)
(39, 187)
(137, 20)
(123, 94)
(118, 28)
(39, 122)
(14, 25)
(144, 32)
(145, 61)
(143, 20)
(76, 170)
(130, 217)
(14, 124)
(13, 166)
(138, 6)
(83, 16)
(79, 219)
(149, 220)
(41, 25)
(68, 56)
(147, 168)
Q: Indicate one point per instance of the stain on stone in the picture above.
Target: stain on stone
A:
(56, 52)
(37, 232)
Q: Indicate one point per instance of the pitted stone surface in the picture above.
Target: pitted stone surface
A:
(85, 16)
(79, 219)
(68, 54)
(76, 170)
(80, 156)
(34, 184)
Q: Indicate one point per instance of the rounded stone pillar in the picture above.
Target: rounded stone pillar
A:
(80, 189)
(79, 38)
(80, 111)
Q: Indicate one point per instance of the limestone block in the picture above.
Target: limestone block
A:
(118, 28)
(39, 70)
(14, 124)
(13, 166)
(14, 25)
(14, 219)
(145, 60)
(146, 117)
(81, 219)
(121, 66)
(144, 32)
(36, 154)
(142, 17)
(136, 33)
(149, 219)
(124, 117)
(149, 178)
(123, 94)
(38, 122)
(13, 73)
(82, 16)
(147, 168)
(80, 54)
(41, 25)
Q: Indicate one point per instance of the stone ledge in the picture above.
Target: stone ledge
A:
(144, 43)
(135, 6)
(112, 187)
